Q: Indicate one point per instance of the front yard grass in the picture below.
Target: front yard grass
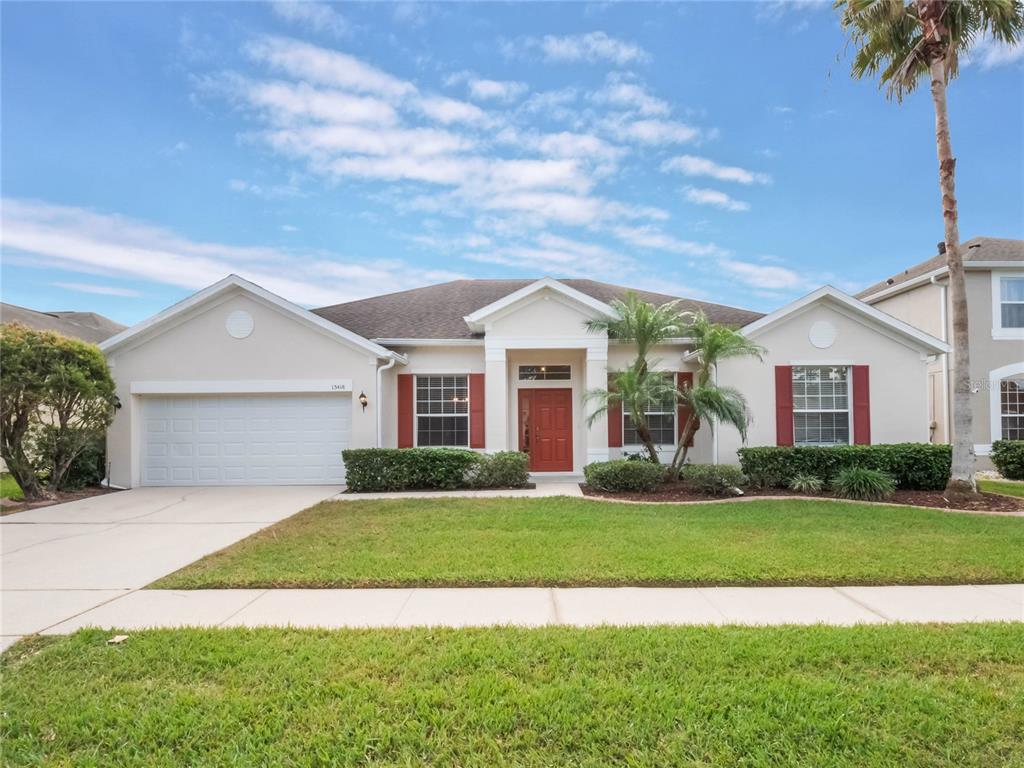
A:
(1005, 487)
(575, 542)
(9, 488)
(730, 696)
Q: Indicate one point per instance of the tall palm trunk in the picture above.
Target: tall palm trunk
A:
(961, 480)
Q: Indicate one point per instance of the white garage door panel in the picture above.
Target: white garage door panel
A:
(245, 439)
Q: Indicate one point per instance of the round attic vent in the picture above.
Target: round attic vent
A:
(822, 334)
(239, 324)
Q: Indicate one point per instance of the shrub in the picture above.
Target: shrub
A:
(505, 469)
(1008, 456)
(400, 469)
(915, 466)
(624, 475)
(863, 484)
(806, 484)
(712, 479)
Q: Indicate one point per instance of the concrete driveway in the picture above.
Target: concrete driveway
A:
(59, 561)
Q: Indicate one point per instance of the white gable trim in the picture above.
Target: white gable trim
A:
(477, 319)
(855, 309)
(232, 283)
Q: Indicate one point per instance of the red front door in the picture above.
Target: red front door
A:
(545, 428)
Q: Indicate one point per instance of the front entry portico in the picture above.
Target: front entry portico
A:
(545, 429)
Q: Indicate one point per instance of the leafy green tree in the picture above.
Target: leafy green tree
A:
(634, 391)
(58, 399)
(707, 401)
(903, 43)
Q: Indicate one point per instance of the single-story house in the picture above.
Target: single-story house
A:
(87, 326)
(235, 385)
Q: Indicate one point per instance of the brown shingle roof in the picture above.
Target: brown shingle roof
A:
(436, 311)
(87, 326)
(978, 249)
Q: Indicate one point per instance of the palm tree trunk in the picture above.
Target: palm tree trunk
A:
(961, 480)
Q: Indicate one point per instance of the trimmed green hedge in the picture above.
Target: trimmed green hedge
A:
(1008, 456)
(402, 469)
(624, 475)
(712, 479)
(914, 466)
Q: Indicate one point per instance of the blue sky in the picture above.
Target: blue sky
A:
(329, 152)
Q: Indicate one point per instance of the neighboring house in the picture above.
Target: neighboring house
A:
(87, 326)
(236, 385)
(994, 274)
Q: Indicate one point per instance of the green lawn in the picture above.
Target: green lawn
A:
(9, 488)
(563, 541)
(1002, 486)
(790, 696)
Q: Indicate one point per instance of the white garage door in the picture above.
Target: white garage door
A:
(245, 439)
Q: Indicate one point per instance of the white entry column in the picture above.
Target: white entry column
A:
(496, 416)
(596, 378)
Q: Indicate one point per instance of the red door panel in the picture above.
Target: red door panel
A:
(545, 428)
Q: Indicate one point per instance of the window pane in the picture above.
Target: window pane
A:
(821, 428)
(544, 372)
(1013, 315)
(662, 426)
(1011, 289)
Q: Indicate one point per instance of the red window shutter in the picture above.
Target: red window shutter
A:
(405, 410)
(476, 410)
(614, 420)
(684, 380)
(861, 406)
(783, 405)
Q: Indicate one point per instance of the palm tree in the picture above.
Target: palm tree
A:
(707, 401)
(645, 325)
(634, 390)
(903, 41)
(642, 323)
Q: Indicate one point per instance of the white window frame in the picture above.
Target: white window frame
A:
(998, 331)
(674, 413)
(416, 410)
(848, 368)
(1002, 414)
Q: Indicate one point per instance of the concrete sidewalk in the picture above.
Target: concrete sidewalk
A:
(533, 607)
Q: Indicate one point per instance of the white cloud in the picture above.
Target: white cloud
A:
(319, 17)
(287, 103)
(763, 276)
(83, 241)
(289, 228)
(714, 197)
(260, 190)
(500, 90)
(989, 53)
(100, 290)
(591, 47)
(413, 14)
(620, 91)
(651, 132)
(691, 165)
(327, 67)
(445, 110)
(650, 237)
(558, 256)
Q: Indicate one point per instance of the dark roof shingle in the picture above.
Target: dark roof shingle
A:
(436, 311)
(975, 250)
(87, 326)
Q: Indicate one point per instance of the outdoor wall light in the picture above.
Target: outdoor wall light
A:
(363, 400)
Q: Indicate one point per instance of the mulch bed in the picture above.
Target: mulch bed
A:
(8, 507)
(990, 502)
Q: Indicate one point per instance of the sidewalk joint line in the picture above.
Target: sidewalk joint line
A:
(862, 604)
(232, 615)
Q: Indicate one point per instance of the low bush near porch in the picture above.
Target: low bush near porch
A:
(1008, 456)
(399, 469)
(914, 466)
(624, 475)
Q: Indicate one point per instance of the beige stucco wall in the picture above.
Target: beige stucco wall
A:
(198, 348)
(921, 307)
(897, 377)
